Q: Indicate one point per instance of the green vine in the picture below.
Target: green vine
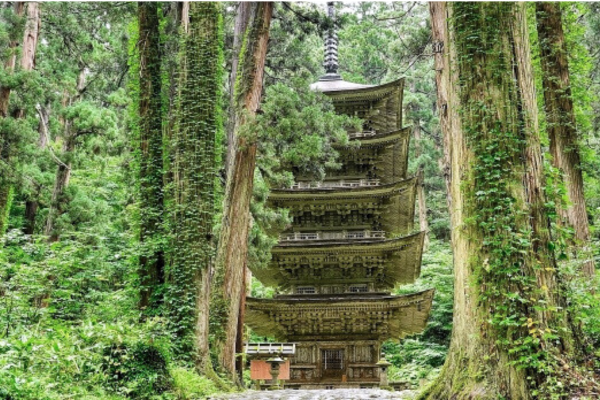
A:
(517, 256)
(198, 121)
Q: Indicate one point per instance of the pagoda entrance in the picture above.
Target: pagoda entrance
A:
(332, 363)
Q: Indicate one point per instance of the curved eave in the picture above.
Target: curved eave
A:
(327, 194)
(290, 319)
(404, 264)
(369, 93)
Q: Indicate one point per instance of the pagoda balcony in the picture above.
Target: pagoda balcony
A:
(343, 183)
(361, 134)
(301, 236)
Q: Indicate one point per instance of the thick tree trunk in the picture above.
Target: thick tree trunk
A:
(10, 63)
(193, 169)
(423, 224)
(151, 268)
(233, 242)
(244, 12)
(30, 40)
(508, 294)
(5, 183)
(561, 124)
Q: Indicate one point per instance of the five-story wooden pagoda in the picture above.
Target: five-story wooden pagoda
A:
(350, 244)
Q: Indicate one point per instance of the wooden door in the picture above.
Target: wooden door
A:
(332, 363)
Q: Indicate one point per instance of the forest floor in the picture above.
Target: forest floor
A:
(336, 394)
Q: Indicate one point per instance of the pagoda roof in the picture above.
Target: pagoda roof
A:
(336, 85)
(330, 193)
(392, 262)
(338, 89)
(366, 316)
(351, 92)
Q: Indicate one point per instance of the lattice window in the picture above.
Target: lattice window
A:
(306, 290)
(363, 288)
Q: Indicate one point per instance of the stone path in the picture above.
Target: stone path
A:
(337, 394)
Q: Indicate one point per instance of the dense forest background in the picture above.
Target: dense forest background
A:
(75, 183)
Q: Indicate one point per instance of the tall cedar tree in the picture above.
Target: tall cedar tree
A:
(29, 38)
(561, 125)
(512, 332)
(233, 240)
(151, 269)
(197, 122)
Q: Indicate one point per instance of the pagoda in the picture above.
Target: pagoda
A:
(350, 243)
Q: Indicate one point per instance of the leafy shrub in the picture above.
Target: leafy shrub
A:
(137, 370)
(188, 385)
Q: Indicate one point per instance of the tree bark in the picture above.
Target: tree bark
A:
(233, 241)
(30, 40)
(508, 292)
(423, 223)
(151, 267)
(244, 12)
(561, 125)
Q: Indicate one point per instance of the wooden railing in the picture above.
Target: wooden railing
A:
(298, 236)
(362, 134)
(334, 184)
(270, 348)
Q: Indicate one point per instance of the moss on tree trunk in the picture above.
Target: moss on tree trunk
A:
(151, 267)
(512, 332)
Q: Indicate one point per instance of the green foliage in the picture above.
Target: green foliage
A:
(418, 359)
(297, 130)
(137, 370)
(188, 385)
(192, 207)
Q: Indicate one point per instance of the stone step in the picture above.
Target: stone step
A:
(333, 394)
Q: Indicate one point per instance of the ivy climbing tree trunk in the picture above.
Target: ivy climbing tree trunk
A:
(197, 121)
(233, 240)
(561, 125)
(151, 268)
(512, 333)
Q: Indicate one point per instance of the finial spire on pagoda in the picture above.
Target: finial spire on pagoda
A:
(331, 48)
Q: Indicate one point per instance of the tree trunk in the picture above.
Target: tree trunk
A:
(423, 224)
(63, 175)
(9, 65)
(233, 241)
(512, 334)
(151, 268)
(561, 124)
(193, 169)
(63, 172)
(30, 40)
(244, 12)
(5, 183)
